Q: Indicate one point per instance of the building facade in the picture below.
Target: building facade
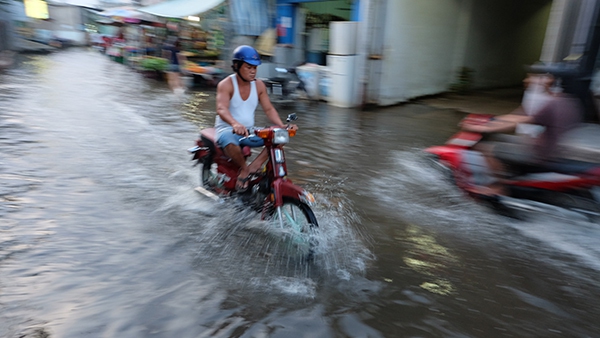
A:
(409, 49)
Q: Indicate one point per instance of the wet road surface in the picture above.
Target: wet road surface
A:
(102, 235)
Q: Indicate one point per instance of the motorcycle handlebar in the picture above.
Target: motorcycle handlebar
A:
(290, 70)
(252, 131)
(290, 117)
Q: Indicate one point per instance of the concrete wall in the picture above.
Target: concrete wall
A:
(503, 37)
(427, 41)
(66, 23)
(9, 13)
(6, 31)
(419, 40)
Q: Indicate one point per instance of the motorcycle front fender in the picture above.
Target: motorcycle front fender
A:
(285, 188)
(447, 155)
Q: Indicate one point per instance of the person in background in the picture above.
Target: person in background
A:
(172, 52)
(96, 41)
(149, 44)
(107, 43)
(121, 35)
(554, 113)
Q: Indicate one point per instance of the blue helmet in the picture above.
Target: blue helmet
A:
(246, 54)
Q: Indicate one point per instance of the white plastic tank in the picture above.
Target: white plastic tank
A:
(342, 37)
(343, 80)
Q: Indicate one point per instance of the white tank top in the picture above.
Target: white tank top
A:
(242, 111)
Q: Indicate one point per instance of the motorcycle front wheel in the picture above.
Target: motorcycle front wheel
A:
(298, 222)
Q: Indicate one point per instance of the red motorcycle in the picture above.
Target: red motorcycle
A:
(269, 192)
(566, 185)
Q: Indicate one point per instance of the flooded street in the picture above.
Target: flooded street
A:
(102, 234)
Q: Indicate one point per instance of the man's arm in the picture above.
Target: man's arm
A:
(224, 94)
(267, 106)
(500, 124)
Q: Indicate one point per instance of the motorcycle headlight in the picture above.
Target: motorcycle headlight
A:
(281, 136)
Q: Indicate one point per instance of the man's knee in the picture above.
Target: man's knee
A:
(232, 148)
(233, 151)
(225, 139)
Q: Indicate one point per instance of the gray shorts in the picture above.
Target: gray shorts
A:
(227, 137)
(513, 149)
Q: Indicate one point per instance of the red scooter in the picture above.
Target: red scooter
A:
(566, 186)
(269, 192)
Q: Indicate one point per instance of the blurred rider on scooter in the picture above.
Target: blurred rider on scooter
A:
(237, 98)
(555, 113)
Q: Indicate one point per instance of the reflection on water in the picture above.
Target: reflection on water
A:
(200, 109)
(102, 234)
(428, 258)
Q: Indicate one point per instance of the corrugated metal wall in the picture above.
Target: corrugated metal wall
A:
(250, 17)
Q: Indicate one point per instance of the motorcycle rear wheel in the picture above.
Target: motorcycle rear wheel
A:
(299, 223)
(207, 177)
(582, 204)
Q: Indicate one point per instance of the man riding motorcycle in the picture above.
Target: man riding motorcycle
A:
(237, 98)
(558, 113)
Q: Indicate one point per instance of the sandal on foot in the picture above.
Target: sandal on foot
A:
(242, 183)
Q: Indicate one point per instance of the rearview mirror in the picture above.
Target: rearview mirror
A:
(292, 117)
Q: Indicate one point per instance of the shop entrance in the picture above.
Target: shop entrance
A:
(316, 31)
(303, 28)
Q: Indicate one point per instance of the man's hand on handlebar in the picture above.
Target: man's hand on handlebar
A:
(239, 129)
(292, 127)
(497, 125)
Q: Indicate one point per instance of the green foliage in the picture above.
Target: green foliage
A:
(464, 82)
(154, 63)
(319, 20)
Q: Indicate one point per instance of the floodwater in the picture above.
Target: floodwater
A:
(102, 235)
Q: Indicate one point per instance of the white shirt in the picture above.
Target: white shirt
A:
(242, 111)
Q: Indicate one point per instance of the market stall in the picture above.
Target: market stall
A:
(199, 27)
(138, 34)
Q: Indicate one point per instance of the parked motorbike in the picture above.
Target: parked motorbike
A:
(566, 186)
(270, 192)
(287, 87)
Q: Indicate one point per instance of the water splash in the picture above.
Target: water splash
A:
(424, 194)
(429, 198)
(234, 241)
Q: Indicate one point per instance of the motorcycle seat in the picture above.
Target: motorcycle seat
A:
(571, 166)
(561, 166)
(208, 137)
